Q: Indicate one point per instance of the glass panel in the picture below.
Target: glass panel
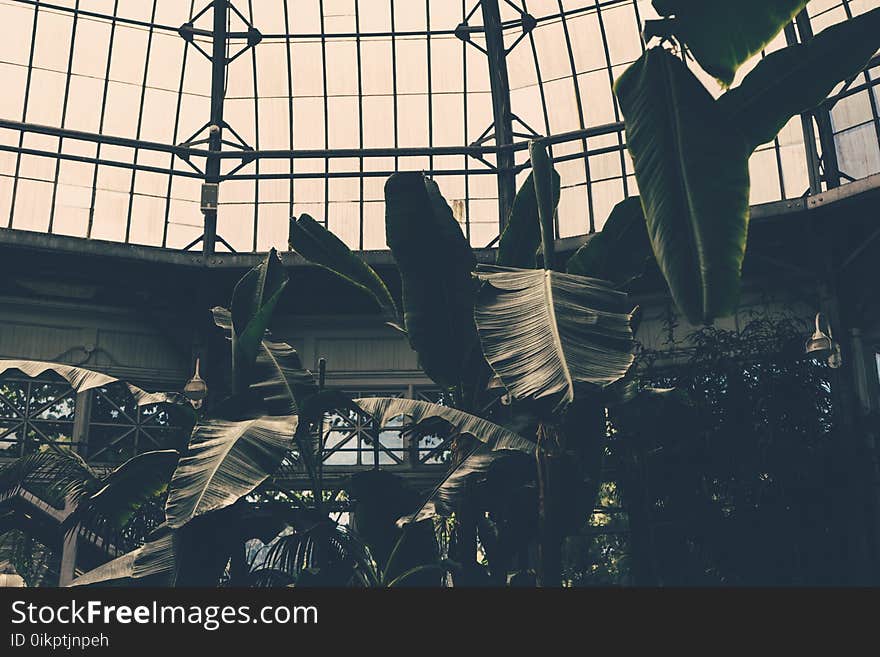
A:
(13, 397)
(111, 444)
(433, 449)
(113, 404)
(333, 75)
(349, 436)
(119, 429)
(34, 413)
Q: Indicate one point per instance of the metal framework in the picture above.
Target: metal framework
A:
(106, 427)
(501, 113)
(216, 155)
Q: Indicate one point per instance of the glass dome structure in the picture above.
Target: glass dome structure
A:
(115, 113)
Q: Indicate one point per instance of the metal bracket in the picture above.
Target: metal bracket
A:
(526, 21)
(251, 35)
(248, 154)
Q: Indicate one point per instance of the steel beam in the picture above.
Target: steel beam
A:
(830, 168)
(13, 240)
(215, 128)
(812, 154)
(500, 86)
(188, 152)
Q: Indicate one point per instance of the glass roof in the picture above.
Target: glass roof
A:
(106, 111)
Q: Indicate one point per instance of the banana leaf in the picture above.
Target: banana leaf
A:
(546, 198)
(102, 505)
(723, 35)
(546, 333)
(796, 79)
(122, 492)
(321, 247)
(153, 562)
(692, 169)
(278, 377)
(194, 555)
(435, 263)
(521, 239)
(225, 462)
(253, 303)
(452, 487)
(620, 251)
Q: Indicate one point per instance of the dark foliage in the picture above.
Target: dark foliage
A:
(742, 487)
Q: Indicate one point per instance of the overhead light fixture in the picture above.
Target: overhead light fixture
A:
(196, 390)
(821, 344)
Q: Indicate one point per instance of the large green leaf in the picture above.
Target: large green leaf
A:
(81, 380)
(796, 79)
(226, 461)
(253, 303)
(722, 35)
(435, 264)
(278, 377)
(620, 251)
(545, 333)
(692, 169)
(281, 379)
(284, 387)
(521, 239)
(321, 247)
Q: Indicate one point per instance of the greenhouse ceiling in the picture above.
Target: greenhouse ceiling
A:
(106, 120)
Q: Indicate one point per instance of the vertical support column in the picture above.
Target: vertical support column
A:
(500, 86)
(857, 495)
(215, 134)
(81, 414)
(864, 369)
(823, 117)
(411, 444)
(812, 153)
(67, 569)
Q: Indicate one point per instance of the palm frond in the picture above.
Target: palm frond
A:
(325, 552)
(266, 578)
(123, 493)
(281, 379)
(54, 475)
